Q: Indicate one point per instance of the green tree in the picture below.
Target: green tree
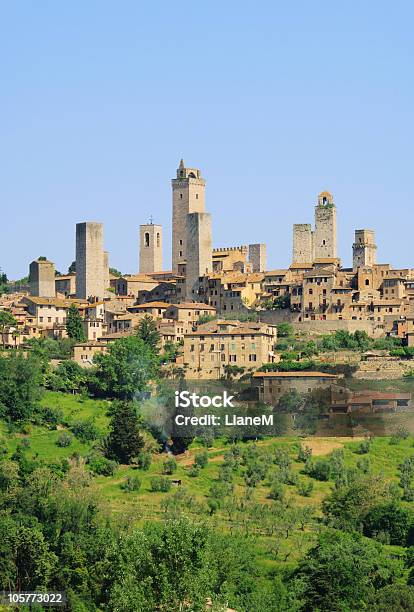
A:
(6, 320)
(147, 331)
(20, 386)
(74, 325)
(72, 268)
(284, 330)
(125, 440)
(125, 370)
(343, 572)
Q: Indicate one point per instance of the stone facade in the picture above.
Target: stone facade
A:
(273, 385)
(66, 285)
(107, 279)
(90, 276)
(150, 248)
(199, 251)
(302, 243)
(364, 249)
(188, 194)
(257, 257)
(42, 278)
(324, 237)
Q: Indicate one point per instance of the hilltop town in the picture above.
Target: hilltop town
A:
(219, 307)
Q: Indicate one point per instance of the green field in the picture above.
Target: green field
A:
(251, 515)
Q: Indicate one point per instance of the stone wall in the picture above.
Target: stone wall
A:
(90, 277)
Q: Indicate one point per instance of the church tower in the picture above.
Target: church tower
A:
(188, 195)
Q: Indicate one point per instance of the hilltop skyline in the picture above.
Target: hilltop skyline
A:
(274, 106)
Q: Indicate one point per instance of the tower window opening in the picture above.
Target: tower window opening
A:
(367, 281)
(158, 240)
(196, 196)
(323, 242)
(147, 239)
(181, 196)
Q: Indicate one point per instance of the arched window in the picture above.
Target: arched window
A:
(367, 281)
(147, 239)
(158, 240)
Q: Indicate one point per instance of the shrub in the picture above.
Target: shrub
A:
(277, 491)
(131, 483)
(364, 447)
(201, 459)
(85, 431)
(102, 466)
(304, 453)
(160, 483)
(305, 488)
(64, 440)
(144, 460)
(320, 470)
(194, 471)
(169, 466)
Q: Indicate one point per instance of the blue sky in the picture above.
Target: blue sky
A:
(274, 101)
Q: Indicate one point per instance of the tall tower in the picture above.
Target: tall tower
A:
(199, 249)
(150, 248)
(324, 238)
(42, 278)
(257, 257)
(302, 243)
(188, 195)
(106, 270)
(90, 277)
(364, 249)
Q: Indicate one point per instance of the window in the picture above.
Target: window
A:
(233, 358)
(252, 358)
(158, 239)
(310, 291)
(181, 196)
(196, 196)
(147, 239)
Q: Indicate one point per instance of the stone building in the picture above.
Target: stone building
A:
(199, 250)
(42, 278)
(364, 249)
(66, 284)
(188, 194)
(273, 385)
(257, 257)
(320, 244)
(107, 276)
(150, 248)
(302, 243)
(228, 259)
(90, 275)
(227, 343)
(324, 237)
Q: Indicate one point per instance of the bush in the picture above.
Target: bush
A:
(144, 460)
(364, 447)
(64, 440)
(304, 453)
(85, 431)
(277, 491)
(169, 466)
(161, 484)
(52, 416)
(102, 466)
(320, 470)
(131, 483)
(201, 459)
(305, 488)
(194, 471)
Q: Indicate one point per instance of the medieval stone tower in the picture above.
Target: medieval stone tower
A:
(107, 278)
(200, 254)
(90, 276)
(42, 278)
(302, 243)
(150, 248)
(324, 237)
(308, 245)
(188, 191)
(364, 249)
(257, 257)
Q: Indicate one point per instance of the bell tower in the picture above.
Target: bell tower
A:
(188, 196)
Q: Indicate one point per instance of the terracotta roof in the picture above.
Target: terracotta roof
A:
(66, 303)
(275, 272)
(152, 305)
(300, 374)
(301, 266)
(193, 305)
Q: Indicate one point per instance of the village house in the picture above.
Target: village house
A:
(273, 385)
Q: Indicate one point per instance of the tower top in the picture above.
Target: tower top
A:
(325, 199)
(183, 172)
